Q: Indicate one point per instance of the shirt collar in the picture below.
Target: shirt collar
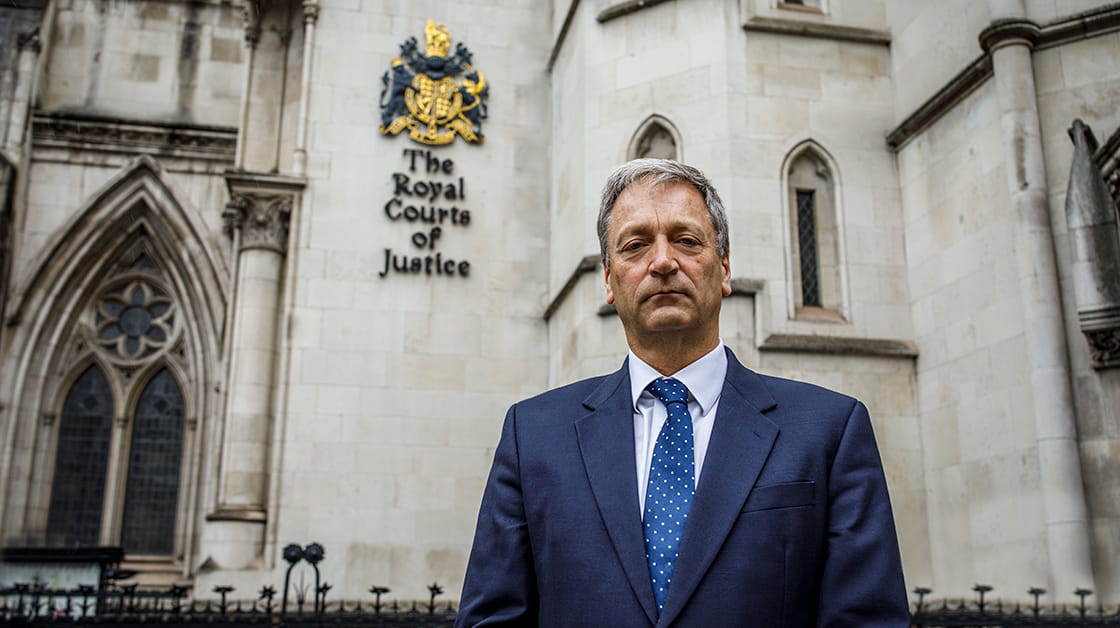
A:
(703, 378)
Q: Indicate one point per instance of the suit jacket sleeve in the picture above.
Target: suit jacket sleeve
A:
(500, 585)
(861, 583)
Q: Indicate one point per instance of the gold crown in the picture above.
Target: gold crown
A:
(439, 39)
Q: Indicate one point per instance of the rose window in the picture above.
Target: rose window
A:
(134, 321)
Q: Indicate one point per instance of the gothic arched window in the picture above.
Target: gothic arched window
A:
(153, 468)
(815, 252)
(116, 482)
(656, 137)
(80, 463)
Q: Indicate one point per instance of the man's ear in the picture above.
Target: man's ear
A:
(607, 281)
(726, 284)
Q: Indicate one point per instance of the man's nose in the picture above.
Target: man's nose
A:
(662, 259)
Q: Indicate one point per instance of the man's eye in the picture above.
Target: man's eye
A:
(689, 241)
(633, 246)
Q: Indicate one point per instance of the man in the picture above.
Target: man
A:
(683, 489)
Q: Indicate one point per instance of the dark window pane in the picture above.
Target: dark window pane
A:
(807, 248)
(153, 469)
(80, 464)
(112, 307)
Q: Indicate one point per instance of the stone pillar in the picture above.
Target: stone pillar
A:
(20, 107)
(1009, 42)
(310, 17)
(257, 217)
(252, 24)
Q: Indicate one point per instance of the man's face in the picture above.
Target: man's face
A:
(664, 272)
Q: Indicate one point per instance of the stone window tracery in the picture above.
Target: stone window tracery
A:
(123, 421)
(134, 321)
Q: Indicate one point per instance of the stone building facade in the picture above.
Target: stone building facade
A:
(251, 297)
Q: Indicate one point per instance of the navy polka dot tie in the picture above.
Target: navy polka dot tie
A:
(670, 487)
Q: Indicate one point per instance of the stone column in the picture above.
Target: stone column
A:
(1009, 42)
(21, 103)
(252, 23)
(257, 217)
(310, 17)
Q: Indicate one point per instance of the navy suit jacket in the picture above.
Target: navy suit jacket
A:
(790, 525)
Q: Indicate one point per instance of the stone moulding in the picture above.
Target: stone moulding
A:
(808, 343)
(625, 8)
(1091, 23)
(118, 135)
(587, 263)
(569, 17)
(818, 30)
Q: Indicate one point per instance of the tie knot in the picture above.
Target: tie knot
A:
(669, 390)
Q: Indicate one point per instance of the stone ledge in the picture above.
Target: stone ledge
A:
(961, 85)
(587, 264)
(118, 135)
(562, 35)
(818, 30)
(248, 514)
(1061, 31)
(808, 343)
(625, 8)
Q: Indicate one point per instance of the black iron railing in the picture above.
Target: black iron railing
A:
(984, 612)
(305, 605)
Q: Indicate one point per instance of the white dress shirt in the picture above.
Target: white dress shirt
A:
(704, 380)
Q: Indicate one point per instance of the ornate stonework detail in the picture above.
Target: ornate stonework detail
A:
(310, 12)
(251, 22)
(118, 135)
(262, 220)
(1104, 347)
(1094, 231)
(1009, 31)
(134, 320)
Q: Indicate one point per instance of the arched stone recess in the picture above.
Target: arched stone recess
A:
(656, 137)
(133, 251)
(812, 211)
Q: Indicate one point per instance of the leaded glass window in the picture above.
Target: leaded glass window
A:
(153, 468)
(807, 244)
(81, 461)
(133, 326)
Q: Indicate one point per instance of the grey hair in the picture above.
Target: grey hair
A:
(653, 172)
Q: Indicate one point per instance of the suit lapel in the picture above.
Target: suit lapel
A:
(606, 442)
(741, 441)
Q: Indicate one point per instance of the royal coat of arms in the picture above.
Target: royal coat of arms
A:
(421, 93)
